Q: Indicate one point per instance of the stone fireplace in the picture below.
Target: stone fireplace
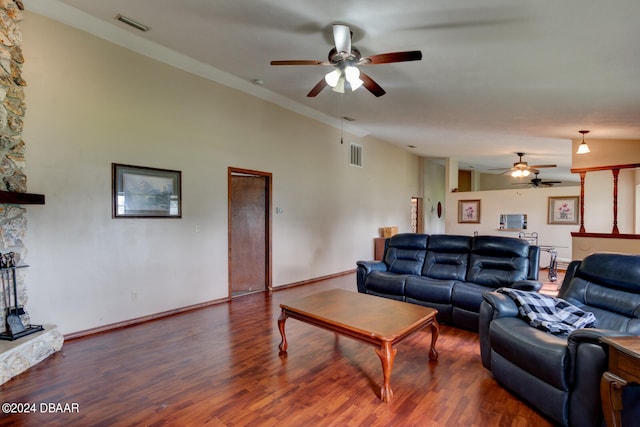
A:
(16, 356)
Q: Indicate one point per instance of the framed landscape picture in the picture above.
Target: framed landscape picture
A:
(142, 192)
(563, 210)
(468, 211)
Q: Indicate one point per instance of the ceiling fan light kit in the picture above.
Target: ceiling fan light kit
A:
(345, 59)
(332, 77)
(522, 169)
(338, 76)
(583, 148)
(519, 173)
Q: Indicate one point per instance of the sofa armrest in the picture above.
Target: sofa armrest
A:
(499, 305)
(370, 266)
(588, 360)
(593, 335)
(527, 285)
(493, 306)
(364, 268)
(584, 344)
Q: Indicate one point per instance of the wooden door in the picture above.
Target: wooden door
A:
(249, 236)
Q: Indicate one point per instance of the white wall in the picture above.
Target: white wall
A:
(434, 193)
(530, 201)
(91, 103)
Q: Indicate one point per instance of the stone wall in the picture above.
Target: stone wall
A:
(13, 222)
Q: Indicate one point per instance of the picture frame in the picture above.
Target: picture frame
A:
(563, 210)
(144, 192)
(469, 211)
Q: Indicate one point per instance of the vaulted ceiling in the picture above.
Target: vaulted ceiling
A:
(497, 76)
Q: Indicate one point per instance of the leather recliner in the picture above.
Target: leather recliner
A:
(560, 375)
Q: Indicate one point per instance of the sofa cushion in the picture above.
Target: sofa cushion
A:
(447, 257)
(468, 296)
(385, 283)
(426, 289)
(432, 293)
(543, 355)
(497, 262)
(405, 253)
(614, 270)
(614, 309)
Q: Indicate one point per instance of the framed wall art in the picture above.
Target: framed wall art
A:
(143, 192)
(563, 210)
(468, 211)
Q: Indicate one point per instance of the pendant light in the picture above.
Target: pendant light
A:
(583, 148)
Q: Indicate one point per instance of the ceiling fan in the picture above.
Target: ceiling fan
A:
(538, 182)
(522, 169)
(346, 59)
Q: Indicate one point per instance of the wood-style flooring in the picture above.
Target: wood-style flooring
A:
(219, 366)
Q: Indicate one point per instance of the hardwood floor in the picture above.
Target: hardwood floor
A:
(219, 366)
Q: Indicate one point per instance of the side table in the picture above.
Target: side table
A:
(624, 368)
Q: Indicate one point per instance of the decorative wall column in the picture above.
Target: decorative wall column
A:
(16, 356)
(13, 222)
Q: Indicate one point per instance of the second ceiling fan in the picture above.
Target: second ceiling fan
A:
(346, 59)
(538, 182)
(522, 169)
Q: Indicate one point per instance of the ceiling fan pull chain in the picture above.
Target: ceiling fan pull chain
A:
(341, 118)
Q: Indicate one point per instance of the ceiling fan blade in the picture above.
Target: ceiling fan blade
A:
(300, 62)
(317, 88)
(342, 38)
(542, 166)
(386, 58)
(371, 85)
(551, 182)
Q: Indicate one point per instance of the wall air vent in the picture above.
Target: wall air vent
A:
(355, 155)
(132, 23)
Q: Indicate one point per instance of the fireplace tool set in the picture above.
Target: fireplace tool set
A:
(14, 327)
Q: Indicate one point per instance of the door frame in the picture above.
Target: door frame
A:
(419, 213)
(268, 200)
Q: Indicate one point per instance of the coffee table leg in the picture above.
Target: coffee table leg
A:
(386, 354)
(283, 344)
(435, 332)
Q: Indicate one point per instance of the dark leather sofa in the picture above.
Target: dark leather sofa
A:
(560, 375)
(449, 272)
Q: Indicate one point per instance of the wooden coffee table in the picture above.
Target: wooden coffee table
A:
(377, 321)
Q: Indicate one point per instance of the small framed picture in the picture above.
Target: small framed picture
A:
(563, 210)
(142, 192)
(468, 211)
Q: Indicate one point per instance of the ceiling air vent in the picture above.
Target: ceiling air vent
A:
(355, 155)
(132, 23)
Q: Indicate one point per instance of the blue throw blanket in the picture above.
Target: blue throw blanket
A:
(553, 315)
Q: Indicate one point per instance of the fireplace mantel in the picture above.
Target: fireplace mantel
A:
(16, 198)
